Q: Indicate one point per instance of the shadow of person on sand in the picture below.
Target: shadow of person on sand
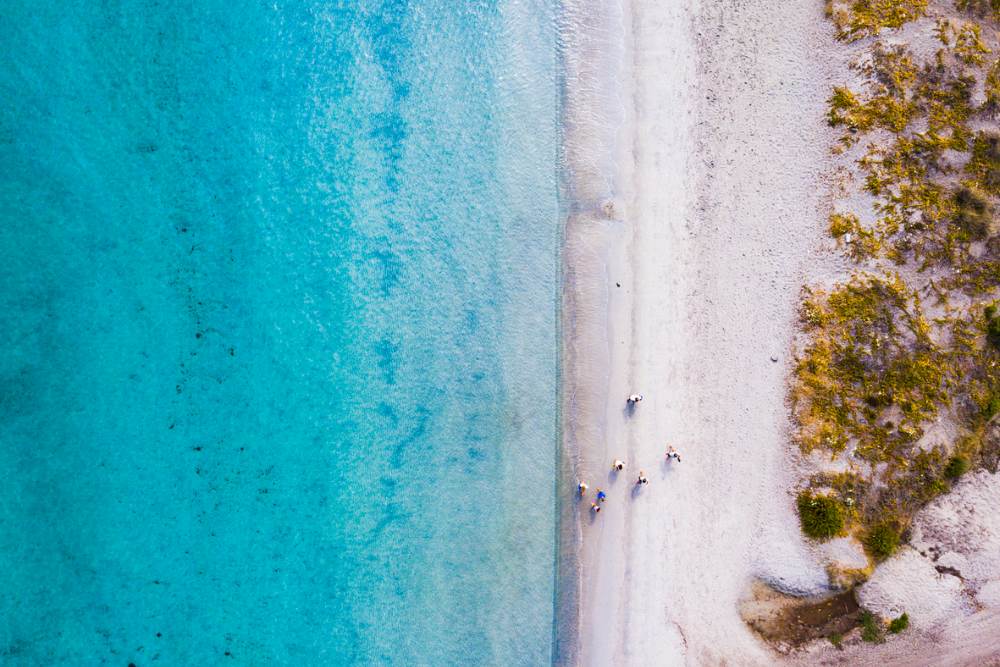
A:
(592, 513)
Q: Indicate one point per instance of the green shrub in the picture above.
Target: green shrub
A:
(972, 214)
(992, 325)
(957, 466)
(882, 540)
(985, 162)
(897, 625)
(992, 406)
(837, 640)
(871, 627)
(822, 517)
(992, 103)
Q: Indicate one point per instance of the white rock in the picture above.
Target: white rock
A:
(989, 595)
(846, 553)
(909, 583)
(962, 529)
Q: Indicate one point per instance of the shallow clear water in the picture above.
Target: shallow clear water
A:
(279, 298)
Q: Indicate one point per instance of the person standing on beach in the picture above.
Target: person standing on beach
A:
(672, 454)
(642, 478)
(582, 488)
(618, 465)
(601, 496)
(634, 398)
(595, 508)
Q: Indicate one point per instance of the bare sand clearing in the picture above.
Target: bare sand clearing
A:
(696, 150)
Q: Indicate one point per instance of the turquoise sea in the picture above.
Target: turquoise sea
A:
(279, 291)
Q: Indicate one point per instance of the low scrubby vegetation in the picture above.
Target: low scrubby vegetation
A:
(870, 374)
(899, 624)
(882, 540)
(872, 629)
(982, 8)
(957, 466)
(822, 516)
(864, 18)
(911, 339)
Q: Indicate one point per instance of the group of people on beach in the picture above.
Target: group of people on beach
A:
(618, 466)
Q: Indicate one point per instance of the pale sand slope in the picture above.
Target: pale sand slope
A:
(719, 207)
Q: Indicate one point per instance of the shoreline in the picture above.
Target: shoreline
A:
(715, 174)
(595, 258)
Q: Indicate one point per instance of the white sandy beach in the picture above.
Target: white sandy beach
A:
(714, 156)
(700, 178)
